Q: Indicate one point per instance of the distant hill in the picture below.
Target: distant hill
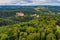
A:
(25, 8)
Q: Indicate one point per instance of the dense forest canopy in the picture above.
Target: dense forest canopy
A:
(37, 23)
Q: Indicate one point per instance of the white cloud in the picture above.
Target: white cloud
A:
(26, 2)
(5, 1)
(33, 2)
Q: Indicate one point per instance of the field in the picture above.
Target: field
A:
(30, 23)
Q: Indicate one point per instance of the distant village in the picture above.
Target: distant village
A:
(22, 14)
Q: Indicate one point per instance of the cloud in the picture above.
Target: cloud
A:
(29, 2)
(5, 1)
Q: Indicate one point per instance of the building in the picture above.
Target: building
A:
(19, 14)
(37, 16)
(32, 15)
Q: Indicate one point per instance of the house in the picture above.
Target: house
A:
(58, 13)
(37, 16)
(32, 15)
(19, 14)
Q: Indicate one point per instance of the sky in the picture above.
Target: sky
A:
(30, 2)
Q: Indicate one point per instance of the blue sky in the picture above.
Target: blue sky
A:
(30, 2)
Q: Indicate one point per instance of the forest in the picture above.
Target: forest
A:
(45, 26)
